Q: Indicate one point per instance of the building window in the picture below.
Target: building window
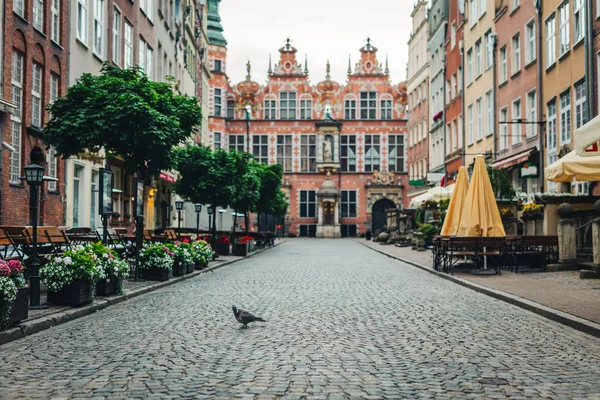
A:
(531, 114)
(460, 80)
(453, 36)
(217, 141)
(218, 99)
(514, 3)
(98, 23)
(284, 152)
(19, 7)
(260, 148)
(530, 42)
(230, 109)
(368, 105)
(479, 118)
(149, 58)
(517, 131)
(308, 153)
(52, 168)
(55, 21)
(489, 50)
(306, 109)
(581, 114)
(128, 45)
(348, 203)
(489, 102)
(516, 53)
(348, 153)
(503, 119)
(453, 88)
(386, 109)
(54, 87)
(236, 143)
(396, 153)
(551, 127)
(478, 60)
(482, 7)
(116, 37)
(36, 96)
(503, 65)
(564, 29)
(349, 109)
(81, 20)
(38, 14)
(372, 153)
(473, 13)
(308, 204)
(565, 118)
(579, 20)
(470, 123)
(469, 67)
(15, 118)
(287, 105)
(550, 41)
(270, 109)
(218, 66)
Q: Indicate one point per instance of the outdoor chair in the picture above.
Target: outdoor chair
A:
(57, 239)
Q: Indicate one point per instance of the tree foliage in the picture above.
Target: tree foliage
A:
(501, 184)
(125, 113)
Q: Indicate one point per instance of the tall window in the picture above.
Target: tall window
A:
(217, 66)
(284, 152)
(550, 40)
(514, 3)
(502, 122)
(470, 123)
(116, 37)
(489, 102)
(516, 53)
(287, 105)
(454, 135)
(128, 45)
(579, 20)
(489, 50)
(368, 105)
(218, 100)
(460, 130)
(54, 87)
(260, 148)
(482, 7)
(308, 204)
(478, 57)
(396, 153)
(581, 114)
(270, 109)
(372, 153)
(386, 109)
(81, 20)
(460, 78)
(348, 203)
(36, 96)
(98, 29)
(530, 42)
(531, 114)
(349, 109)
(517, 131)
(453, 88)
(305, 109)
(469, 67)
(503, 65)
(565, 118)
(52, 168)
(230, 109)
(149, 59)
(236, 143)
(479, 119)
(348, 153)
(55, 21)
(308, 153)
(453, 36)
(473, 12)
(564, 29)
(38, 14)
(15, 118)
(217, 140)
(551, 127)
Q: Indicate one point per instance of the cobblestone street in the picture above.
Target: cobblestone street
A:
(342, 322)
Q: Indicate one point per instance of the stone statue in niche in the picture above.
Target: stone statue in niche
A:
(328, 148)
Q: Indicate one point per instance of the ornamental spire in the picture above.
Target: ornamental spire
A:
(270, 70)
(305, 64)
(349, 65)
(387, 68)
(327, 71)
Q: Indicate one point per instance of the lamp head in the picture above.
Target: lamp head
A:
(198, 207)
(34, 174)
(179, 205)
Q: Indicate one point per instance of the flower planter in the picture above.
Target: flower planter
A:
(201, 264)
(155, 274)
(178, 269)
(106, 287)
(222, 248)
(20, 307)
(240, 249)
(74, 294)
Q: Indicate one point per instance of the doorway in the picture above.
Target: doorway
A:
(379, 216)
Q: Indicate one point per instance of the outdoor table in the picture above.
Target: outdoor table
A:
(89, 238)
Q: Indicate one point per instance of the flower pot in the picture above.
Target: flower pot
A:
(240, 249)
(222, 248)
(178, 269)
(106, 287)
(201, 264)
(189, 268)
(74, 294)
(20, 307)
(155, 274)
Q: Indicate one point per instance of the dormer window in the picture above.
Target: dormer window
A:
(217, 66)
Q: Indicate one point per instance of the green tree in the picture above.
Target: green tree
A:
(125, 113)
(501, 184)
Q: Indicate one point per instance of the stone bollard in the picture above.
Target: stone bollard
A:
(420, 241)
(567, 246)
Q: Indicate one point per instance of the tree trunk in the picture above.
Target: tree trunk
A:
(258, 221)
(234, 221)
(246, 221)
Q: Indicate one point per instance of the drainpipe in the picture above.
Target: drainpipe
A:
(444, 151)
(495, 94)
(2, 116)
(589, 54)
(540, 95)
(462, 97)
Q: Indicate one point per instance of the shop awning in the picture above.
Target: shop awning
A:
(168, 176)
(573, 166)
(587, 138)
(513, 160)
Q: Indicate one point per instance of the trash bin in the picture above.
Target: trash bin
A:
(368, 235)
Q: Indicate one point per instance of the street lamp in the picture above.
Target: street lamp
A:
(248, 113)
(179, 207)
(198, 208)
(34, 175)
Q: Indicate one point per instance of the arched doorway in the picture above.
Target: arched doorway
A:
(379, 216)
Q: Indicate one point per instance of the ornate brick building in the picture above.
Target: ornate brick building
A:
(342, 146)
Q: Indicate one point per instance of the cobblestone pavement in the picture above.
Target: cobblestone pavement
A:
(343, 322)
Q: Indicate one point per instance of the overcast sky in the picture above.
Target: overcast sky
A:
(323, 29)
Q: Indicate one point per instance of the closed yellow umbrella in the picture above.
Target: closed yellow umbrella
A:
(455, 208)
(480, 215)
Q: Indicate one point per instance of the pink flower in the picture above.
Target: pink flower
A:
(165, 248)
(4, 268)
(170, 254)
(177, 243)
(15, 266)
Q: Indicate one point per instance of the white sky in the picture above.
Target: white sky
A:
(323, 29)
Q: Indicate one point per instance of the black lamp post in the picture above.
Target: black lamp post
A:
(248, 112)
(198, 208)
(179, 207)
(34, 175)
(209, 210)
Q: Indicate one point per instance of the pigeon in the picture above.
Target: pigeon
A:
(244, 317)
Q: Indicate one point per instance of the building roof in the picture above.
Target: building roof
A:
(215, 29)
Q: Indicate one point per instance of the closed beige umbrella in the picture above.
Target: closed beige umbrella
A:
(455, 208)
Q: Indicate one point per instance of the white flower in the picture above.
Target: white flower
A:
(68, 261)
(105, 255)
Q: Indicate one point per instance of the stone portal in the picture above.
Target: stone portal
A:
(328, 201)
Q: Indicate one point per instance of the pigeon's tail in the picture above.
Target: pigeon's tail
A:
(260, 319)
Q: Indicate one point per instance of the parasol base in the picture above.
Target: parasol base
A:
(483, 272)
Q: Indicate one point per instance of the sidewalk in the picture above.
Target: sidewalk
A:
(561, 296)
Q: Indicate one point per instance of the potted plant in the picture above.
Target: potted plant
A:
(114, 218)
(531, 209)
(506, 213)
(202, 254)
(156, 262)
(126, 217)
(182, 258)
(241, 246)
(115, 270)
(222, 245)
(71, 277)
(8, 294)
(20, 307)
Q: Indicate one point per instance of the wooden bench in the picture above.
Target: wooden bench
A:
(532, 251)
(479, 249)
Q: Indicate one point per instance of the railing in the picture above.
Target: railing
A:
(583, 238)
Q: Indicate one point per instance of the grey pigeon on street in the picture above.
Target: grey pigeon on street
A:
(244, 317)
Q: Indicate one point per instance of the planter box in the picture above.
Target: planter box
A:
(201, 265)
(75, 294)
(222, 249)
(190, 268)
(178, 269)
(20, 307)
(155, 274)
(106, 287)
(240, 249)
